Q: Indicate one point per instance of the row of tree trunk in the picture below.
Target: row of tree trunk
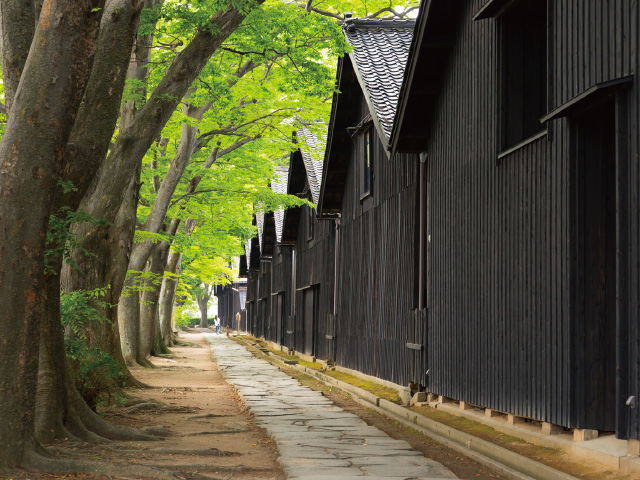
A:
(65, 63)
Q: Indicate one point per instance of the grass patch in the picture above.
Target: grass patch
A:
(552, 457)
(279, 353)
(390, 394)
(478, 429)
(313, 365)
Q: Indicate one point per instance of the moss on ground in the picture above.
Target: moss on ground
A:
(390, 394)
(553, 457)
(313, 365)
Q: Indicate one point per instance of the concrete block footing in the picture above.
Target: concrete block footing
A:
(583, 434)
(489, 413)
(514, 419)
(633, 447)
(466, 406)
(443, 399)
(418, 397)
(551, 429)
(432, 397)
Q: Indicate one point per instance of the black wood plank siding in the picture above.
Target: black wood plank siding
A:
(228, 305)
(505, 322)
(377, 265)
(281, 284)
(315, 268)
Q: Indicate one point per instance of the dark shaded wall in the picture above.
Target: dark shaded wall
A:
(281, 293)
(252, 301)
(314, 267)
(229, 303)
(505, 327)
(377, 265)
(263, 304)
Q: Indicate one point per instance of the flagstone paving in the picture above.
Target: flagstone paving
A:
(317, 440)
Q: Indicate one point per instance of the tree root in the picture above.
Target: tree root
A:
(208, 415)
(35, 461)
(205, 452)
(218, 468)
(157, 430)
(131, 400)
(217, 432)
(160, 408)
(78, 429)
(145, 362)
(101, 427)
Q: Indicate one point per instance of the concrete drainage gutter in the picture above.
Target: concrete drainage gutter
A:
(500, 459)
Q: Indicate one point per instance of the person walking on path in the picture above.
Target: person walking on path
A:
(217, 324)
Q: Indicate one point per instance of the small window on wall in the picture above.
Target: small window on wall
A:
(523, 39)
(367, 161)
(310, 223)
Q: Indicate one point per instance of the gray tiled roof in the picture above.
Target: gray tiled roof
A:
(260, 225)
(247, 250)
(380, 52)
(279, 185)
(312, 165)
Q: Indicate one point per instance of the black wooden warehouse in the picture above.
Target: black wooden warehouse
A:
(490, 252)
(527, 115)
(313, 246)
(290, 266)
(231, 300)
(375, 200)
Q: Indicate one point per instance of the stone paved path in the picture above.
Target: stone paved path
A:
(317, 440)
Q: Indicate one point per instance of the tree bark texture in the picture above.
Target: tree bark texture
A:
(167, 297)
(88, 141)
(98, 114)
(141, 251)
(108, 188)
(51, 398)
(17, 27)
(134, 141)
(125, 224)
(203, 304)
(39, 123)
(149, 300)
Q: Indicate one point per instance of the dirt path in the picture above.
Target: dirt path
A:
(210, 435)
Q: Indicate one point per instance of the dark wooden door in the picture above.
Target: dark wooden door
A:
(309, 319)
(596, 327)
(279, 318)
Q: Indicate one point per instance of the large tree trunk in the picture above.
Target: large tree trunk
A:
(106, 267)
(167, 297)
(107, 190)
(142, 251)
(17, 27)
(134, 141)
(203, 305)
(88, 141)
(126, 229)
(51, 399)
(149, 301)
(49, 94)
